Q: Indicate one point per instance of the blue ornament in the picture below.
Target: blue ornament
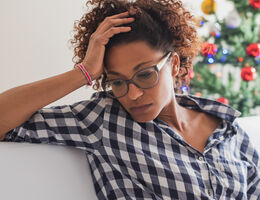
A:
(211, 60)
(223, 59)
(225, 51)
(231, 27)
(218, 35)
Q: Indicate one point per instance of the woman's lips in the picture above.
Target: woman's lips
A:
(142, 108)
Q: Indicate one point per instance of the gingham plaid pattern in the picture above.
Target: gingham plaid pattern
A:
(131, 160)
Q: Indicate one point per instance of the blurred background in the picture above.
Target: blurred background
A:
(34, 38)
(228, 65)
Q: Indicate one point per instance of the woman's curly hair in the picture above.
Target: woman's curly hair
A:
(164, 24)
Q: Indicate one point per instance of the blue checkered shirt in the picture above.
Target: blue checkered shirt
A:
(131, 160)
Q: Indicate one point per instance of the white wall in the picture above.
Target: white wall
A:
(34, 43)
(34, 39)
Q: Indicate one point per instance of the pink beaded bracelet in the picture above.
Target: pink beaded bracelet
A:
(84, 71)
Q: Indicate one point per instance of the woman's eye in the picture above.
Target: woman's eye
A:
(117, 83)
(145, 74)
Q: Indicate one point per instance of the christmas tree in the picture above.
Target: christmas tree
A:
(229, 62)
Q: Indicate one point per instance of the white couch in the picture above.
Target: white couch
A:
(48, 172)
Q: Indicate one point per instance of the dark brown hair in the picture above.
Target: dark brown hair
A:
(164, 24)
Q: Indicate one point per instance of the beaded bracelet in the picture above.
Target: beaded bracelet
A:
(84, 71)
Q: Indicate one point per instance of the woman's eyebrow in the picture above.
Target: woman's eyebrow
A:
(134, 69)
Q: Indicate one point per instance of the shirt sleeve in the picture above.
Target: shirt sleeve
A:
(78, 125)
(251, 156)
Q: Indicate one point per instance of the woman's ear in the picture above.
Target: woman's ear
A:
(175, 61)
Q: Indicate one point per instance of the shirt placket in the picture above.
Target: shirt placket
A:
(206, 175)
(218, 136)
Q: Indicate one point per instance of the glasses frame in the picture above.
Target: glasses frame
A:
(157, 68)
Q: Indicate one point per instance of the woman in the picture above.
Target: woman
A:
(143, 140)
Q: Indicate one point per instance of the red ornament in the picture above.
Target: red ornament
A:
(240, 59)
(208, 49)
(255, 3)
(191, 74)
(248, 73)
(253, 49)
(223, 100)
(213, 33)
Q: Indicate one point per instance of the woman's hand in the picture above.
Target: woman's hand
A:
(94, 58)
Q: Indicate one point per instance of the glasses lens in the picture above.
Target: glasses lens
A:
(118, 87)
(146, 78)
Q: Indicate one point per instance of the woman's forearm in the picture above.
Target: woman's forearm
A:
(19, 103)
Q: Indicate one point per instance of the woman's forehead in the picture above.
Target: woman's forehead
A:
(131, 56)
(127, 70)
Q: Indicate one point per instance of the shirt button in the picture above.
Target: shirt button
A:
(235, 128)
(210, 192)
(201, 158)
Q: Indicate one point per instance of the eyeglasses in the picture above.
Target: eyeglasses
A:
(145, 78)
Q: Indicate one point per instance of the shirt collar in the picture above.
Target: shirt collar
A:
(209, 106)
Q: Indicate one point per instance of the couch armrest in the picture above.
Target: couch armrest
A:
(44, 172)
(252, 126)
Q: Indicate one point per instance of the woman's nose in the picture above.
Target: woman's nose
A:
(134, 92)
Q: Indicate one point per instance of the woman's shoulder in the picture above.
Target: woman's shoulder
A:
(98, 102)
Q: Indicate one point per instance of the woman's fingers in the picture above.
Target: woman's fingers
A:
(115, 30)
(104, 37)
(111, 26)
(114, 20)
(111, 22)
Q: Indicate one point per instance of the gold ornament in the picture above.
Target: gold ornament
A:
(209, 6)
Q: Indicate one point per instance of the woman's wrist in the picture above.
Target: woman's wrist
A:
(80, 76)
(85, 73)
(94, 74)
